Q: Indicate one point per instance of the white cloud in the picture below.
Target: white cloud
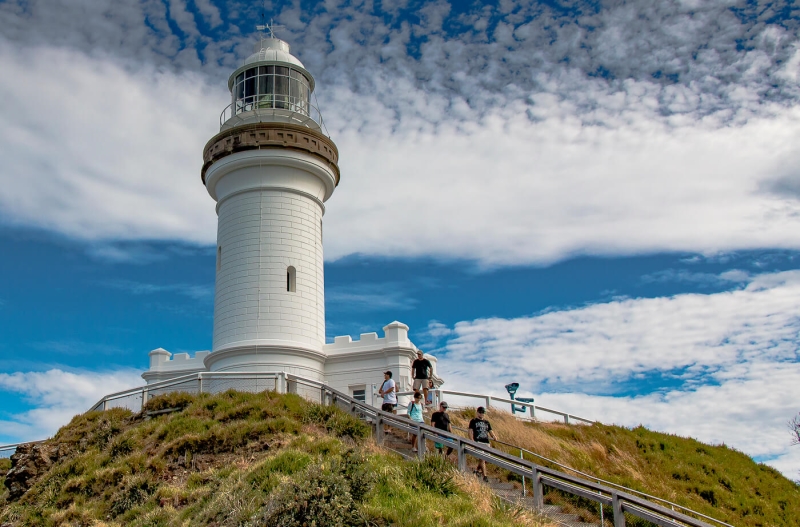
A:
(369, 297)
(196, 292)
(103, 153)
(726, 365)
(498, 142)
(56, 396)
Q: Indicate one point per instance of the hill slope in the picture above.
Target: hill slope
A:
(237, 459)
(714, 480)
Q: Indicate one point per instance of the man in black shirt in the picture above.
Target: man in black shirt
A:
(421, 372)
(441, 421)
(480, 431)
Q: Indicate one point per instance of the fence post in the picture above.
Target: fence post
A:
(488, 402)
(145, 396)
(538, 489)
(524, 490)
(379, 430)
(199, 383)
(566, 418)
(462, 457)
(420, 443)
(619, 516)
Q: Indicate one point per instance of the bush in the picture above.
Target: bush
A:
(169, 400)
(336, 421)
(322, 500)
(321, 496)
(433, 473)
(135, 492)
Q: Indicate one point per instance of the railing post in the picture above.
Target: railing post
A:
(533, 412)
(105, 405)
(619, 516)
(420, 443)
(145, 396)
(488, 402)
(538, 489)
(379, 430)
(199, 383)
(462, 457)
(524, 490)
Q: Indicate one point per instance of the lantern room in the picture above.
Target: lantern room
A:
(271, 85)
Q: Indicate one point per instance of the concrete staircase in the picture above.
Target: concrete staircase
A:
(508, 491)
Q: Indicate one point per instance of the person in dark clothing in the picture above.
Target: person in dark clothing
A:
(421, 372)
(480, 431)
(441, 421)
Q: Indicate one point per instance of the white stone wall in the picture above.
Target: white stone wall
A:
(345, 364)
(261, 233)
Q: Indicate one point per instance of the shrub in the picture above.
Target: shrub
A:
(345, 425)
(122, 446)
(169, 400)
(321, 496)
(134, 492)
(336, 421)
(356, 471)
(433, 473)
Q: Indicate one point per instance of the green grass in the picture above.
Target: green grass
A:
(238, 459)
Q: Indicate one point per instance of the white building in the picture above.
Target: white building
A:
(271, 169)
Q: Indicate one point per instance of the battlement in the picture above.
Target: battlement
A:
(163, 361)
(395, 336)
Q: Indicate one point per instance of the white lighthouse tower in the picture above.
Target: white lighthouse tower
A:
(270, 170)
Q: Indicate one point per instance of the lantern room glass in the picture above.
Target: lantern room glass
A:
(267, 87)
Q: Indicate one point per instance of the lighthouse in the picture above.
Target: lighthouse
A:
(271, 170)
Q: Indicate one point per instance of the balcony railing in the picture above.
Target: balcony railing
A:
(279, 107)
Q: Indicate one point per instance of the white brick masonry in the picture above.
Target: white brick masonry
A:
(270, 207)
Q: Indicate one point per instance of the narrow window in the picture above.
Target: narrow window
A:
(291, 279)
(219, 257)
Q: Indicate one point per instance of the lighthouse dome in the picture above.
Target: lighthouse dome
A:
(273, 50)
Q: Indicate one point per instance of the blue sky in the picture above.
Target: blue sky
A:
(599, 200)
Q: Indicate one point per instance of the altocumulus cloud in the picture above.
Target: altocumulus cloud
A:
(515, 134)
(55, 397)
(734, 356)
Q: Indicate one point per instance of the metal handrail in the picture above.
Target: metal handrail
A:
(294, 108)
(621, 501)
(534, 407)
(606, 482)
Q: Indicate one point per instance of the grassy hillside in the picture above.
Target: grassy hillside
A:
(715, 480)
(238, 459)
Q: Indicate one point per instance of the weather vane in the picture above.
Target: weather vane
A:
(272, 26)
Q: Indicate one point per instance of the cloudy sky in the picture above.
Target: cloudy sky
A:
(599, 200)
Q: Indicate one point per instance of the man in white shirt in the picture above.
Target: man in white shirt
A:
(389, 392)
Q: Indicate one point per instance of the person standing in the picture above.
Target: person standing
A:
(389, 393)
(480, 431)
(415, 414)
(421, 371)
(441, 420)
